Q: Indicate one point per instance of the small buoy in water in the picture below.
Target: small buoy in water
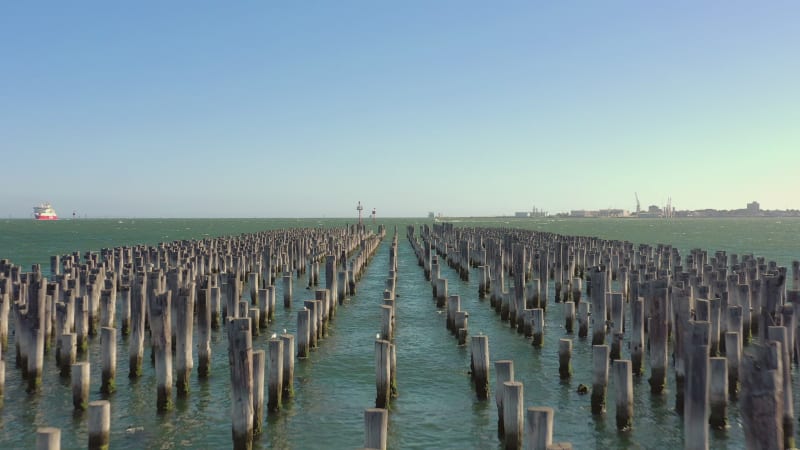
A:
(583, 389)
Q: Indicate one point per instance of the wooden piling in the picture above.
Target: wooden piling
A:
(376, 424)
(658, 337)
(287, 290)
(67, 354)
(623, 383)
(504, 371)
(48, 438)
(569, 316)
(161, 334)
(382, 373)
(779, 334)
(761, 402)
(99, 425)
(259, 368)
(204, 321)
(599, 306)
(108, 343)
(733, 356)
(479, 364)
(387, 332)
(125, 308)
(184, 334)
(462, 319)
(288, 365)
(696, 410)
(599, 377)
(513, 402)
(564, 357)
(583, 319)
(637, 335)
(441, 292)
(303, 332)
(537, 319)
(538, 428)
(80, 385)
(718, 393)
(313, 323)
(242, 381)
(275, 382)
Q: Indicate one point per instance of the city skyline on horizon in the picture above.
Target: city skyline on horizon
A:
(275, 110)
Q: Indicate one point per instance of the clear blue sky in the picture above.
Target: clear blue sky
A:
(301, 109)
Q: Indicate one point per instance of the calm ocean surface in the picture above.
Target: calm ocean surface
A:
(436, 406)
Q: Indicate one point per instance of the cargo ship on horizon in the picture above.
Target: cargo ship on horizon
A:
(44, 211)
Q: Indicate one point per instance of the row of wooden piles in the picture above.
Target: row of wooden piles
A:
(376, 420)
(156, 295)
(531, 427)
(703, 308)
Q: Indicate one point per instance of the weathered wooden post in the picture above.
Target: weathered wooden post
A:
(376, 424)
(80, 385)
(539, 428)
(48, 438)
(82, 323)
(761, 400)
(658, 337)
(386, 323)
(569, 316)
(107, 308)
(441, 292)
(564, 356)
(513, 402)
(125, 308)
(504, 371)
(2, 381)
(161, 332)
(537, 319)
(462, 319)
(136, 340)
(382, 373)
(67, 354)
(288, 364)
(479, 363)
(183, 336)
(259, 368)
(623, 382)
(718, 393)
(779, 334)
(108, 343)
(275, 399)
(637, 335)
(313, 323)
(599, 377)
(583, 319)
(599, 307)
(696, 411)
(303, 332)
(263, 305)
(204, 322)
(242, 381)
(99, 425)
(287, 290)
(733, 355)
(216, 306)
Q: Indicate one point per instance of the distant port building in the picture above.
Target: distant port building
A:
(599, 213)
(753, 207)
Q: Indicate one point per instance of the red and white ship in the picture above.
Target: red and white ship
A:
(44, 212)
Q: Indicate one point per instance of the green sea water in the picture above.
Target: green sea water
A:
(436, 406)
